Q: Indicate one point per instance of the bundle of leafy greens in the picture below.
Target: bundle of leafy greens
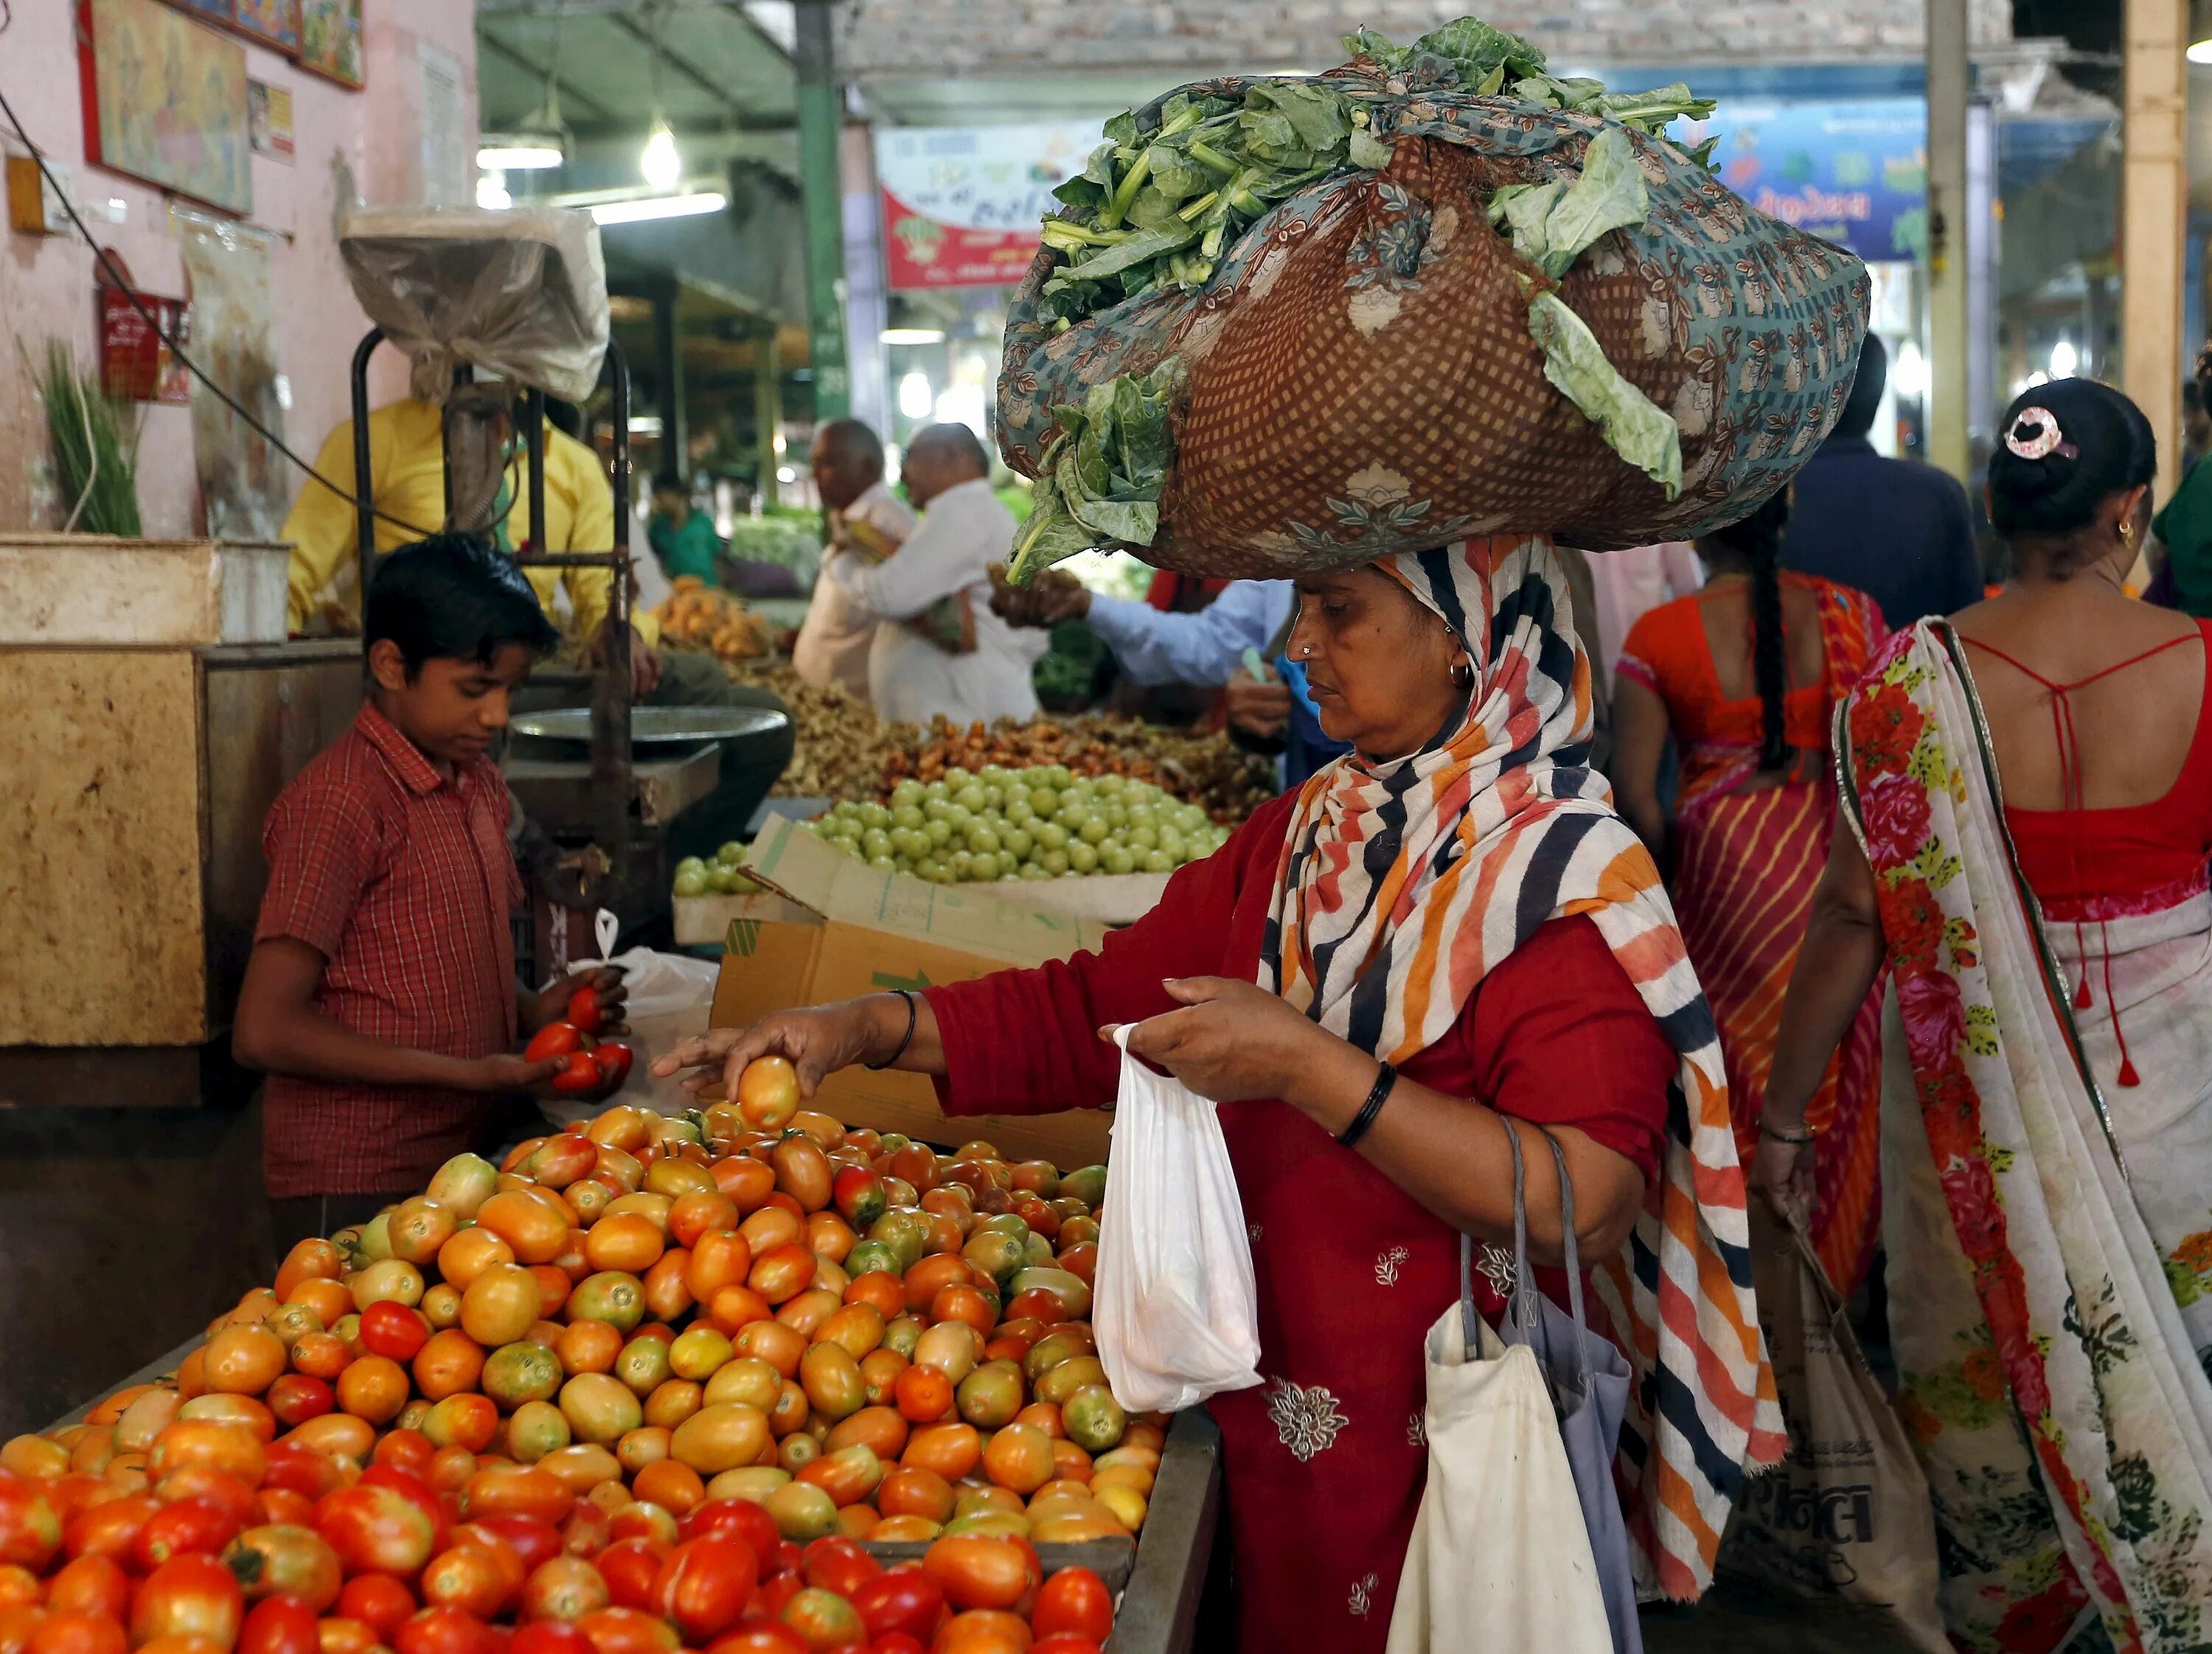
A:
(1103, 473)
(1155, 207)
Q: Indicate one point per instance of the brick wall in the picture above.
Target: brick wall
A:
(902, 39)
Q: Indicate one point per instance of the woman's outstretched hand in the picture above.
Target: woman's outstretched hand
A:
(818, 1041)
(1230, 1041)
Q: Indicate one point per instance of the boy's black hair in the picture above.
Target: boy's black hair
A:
(668, 482)
(453, 597)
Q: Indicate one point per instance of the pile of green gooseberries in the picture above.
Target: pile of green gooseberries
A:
(723, 876)
(1037, 823)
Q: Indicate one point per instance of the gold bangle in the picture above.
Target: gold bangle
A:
(1794, 1139)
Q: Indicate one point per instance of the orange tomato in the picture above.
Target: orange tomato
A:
(924, 1395)
(772, 1226)
(666, 1294)
(1019, 1458)
(701, 1212)
(528, 1222)
(469, 1253)
(976, 1571)
(451, 1361)
(588, 1346)
(628, 1241)
(217, 1444)
(243, 1360)
(310, 1260)
(910, 1490)
(964, 1304)
(773, 1342)
(670, 1484)
(983, 1631)
(880, 1370)
(877, 1428)
(952, 1451)
(373, 1387)
(719, 1258)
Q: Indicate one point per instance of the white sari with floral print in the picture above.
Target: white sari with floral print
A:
(2049, 1231)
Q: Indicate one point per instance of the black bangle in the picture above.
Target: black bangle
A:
(910, 1016)
(1378, 1094)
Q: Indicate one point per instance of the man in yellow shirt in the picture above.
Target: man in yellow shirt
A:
(407, 480)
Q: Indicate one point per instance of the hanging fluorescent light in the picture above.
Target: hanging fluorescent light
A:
(517, 152)
(660, 163)
(913, 335)
(646, 208)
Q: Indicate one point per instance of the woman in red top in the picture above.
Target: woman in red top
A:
(1745, 676)
(1453, 924)
(2029, 789)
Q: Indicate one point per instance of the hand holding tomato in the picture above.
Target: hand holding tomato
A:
(591, 1000)
(1234, 1041)
(501, 1072)
(818, 1042)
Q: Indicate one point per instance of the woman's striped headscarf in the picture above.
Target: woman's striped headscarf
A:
(1403, 882)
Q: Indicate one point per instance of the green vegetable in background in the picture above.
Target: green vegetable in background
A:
(95, 462)
(1101, 477)
(1636, 428)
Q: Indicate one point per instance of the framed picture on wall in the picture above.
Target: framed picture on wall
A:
(329, 39)
(273, 22)
(165, 100)
(220, 11)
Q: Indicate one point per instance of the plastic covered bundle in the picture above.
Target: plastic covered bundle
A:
(519, 295)
(1395, 355)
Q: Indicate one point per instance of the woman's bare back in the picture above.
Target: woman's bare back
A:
(2132, 730)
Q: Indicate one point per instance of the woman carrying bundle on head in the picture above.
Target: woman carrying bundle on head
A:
(1745, 676)
(2029, 794)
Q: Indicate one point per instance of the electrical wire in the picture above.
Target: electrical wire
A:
(117, 279)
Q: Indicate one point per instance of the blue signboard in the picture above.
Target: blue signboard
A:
(1853, 171)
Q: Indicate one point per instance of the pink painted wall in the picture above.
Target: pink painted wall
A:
(365, 145)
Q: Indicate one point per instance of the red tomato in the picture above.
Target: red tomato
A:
(631, 1567)
(777, 1589)
(614, 1058)
(516, 1490)
(757, 1636)
(111, 1528)
(282, 1561)
(549, 1637)
(584, 1012)
(897, 1643)
(441, 1629)
(839, 1565)
(563, 1588)
(533, 1542)
(468, 1578)
(732, 1518)
(705, 1584)
(189, 1524)
(981, 1572)
(379, 1601)
(628, 1630)
(555, 1039)
(579, 1076)
(1064, 1642)
(904, 1599)
(189, 1596)
(406, 1450)
(90, 1585)
(296, 1397)
(30, 1526)
(78, 1633)
(218, 1488)
(279, 1624)
(299, 1469)
(378, 1529)
(1077, 1600)
(393, 1329)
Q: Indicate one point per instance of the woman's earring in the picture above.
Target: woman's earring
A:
(2127, 533)
(1462, 672)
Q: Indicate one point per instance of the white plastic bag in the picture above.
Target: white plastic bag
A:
(1175, 1311)
(669, 995)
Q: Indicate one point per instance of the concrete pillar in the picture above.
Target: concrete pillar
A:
(2154, 208)
(1950, 237)
(868, 300)
(768, 409)
(821, 117)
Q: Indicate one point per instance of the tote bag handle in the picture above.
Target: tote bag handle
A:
(1524, 1280)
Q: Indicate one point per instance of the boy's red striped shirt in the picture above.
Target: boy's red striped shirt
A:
(404, 881)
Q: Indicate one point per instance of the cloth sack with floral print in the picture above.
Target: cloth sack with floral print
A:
(1176, 1312)
(1846, 1514)
(1361, 377)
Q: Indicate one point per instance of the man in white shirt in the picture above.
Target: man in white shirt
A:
(963, 530)
(863, 514)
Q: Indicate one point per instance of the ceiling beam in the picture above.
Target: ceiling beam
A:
(721, 95)
(488, 42)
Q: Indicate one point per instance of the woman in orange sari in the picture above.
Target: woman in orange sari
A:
(1744, 675)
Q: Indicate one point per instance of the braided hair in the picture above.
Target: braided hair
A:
(1758, 540)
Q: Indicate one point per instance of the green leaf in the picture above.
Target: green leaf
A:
(1105, 472)
(1144, 245)
(1635, 428)
(1610, 195)
(1175, 175)
(1369, 151)
(1319, 116)
(1649, 111)
(1490, 85)
(1474, 48)
(1152, 208)
(1122, 129)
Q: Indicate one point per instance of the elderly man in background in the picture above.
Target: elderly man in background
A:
(862, 515)
(916, 669)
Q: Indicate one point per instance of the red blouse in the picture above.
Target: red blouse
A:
(1326, 1459)
(2091, 864)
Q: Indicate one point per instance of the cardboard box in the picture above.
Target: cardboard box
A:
(863, 930)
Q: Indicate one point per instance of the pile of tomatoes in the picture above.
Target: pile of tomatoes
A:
(643, 1389)
(215, 1541)
(590, 1067)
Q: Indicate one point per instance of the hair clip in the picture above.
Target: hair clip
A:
(2035, 434)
